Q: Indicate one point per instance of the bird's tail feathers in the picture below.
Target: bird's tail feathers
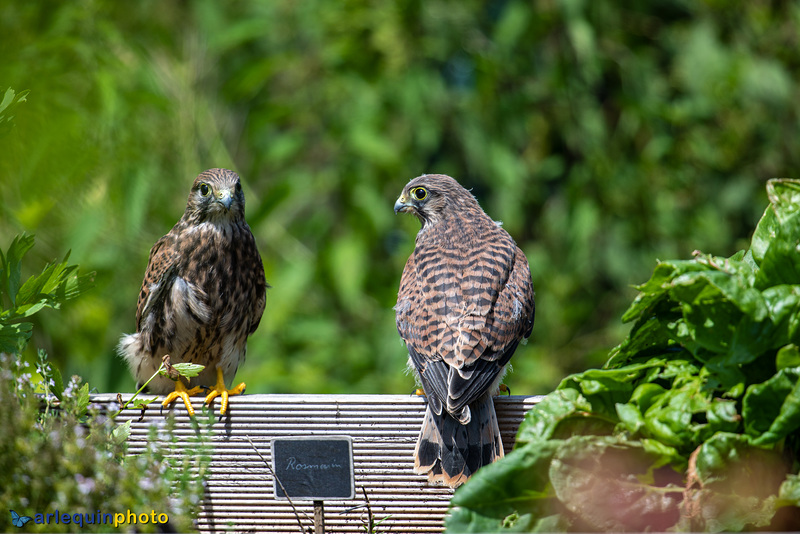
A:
(449, 452)
(141, 363)
(129, 347)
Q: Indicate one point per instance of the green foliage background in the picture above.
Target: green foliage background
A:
(603, 135)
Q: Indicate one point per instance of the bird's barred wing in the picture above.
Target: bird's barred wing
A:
(464, 318)
(509, 321)
(512, 315)
(413, 319)
(169, 304)
(258, 282)
(158, 278)
(260, 305)
(407, 309)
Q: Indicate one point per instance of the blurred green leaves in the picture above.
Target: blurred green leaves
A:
(602, 135)
(694, 422)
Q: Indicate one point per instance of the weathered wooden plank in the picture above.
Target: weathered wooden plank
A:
(384, 428)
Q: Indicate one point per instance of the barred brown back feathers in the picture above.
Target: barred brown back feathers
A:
(465, 302)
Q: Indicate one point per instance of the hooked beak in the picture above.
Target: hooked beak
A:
(225, 198)
(401, 205)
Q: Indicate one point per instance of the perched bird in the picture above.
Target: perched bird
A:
(465, 303)
(203, 293)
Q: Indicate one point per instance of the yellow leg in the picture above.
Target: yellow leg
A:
(221, 391)
(184, 394)
(504, 389)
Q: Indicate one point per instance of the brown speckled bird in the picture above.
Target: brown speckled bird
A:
(465, 303)
(203, 293)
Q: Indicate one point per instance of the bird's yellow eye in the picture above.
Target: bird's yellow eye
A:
(419, 193)
(204, 190)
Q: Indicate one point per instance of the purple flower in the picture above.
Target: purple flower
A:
(85, 485)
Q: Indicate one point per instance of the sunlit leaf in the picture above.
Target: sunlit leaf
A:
(188, 370)
(122, 432)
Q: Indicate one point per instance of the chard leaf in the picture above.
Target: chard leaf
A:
(771, 409)
(788, 356)
(518, 484)
(541, 421)
(765, 232)
(784, 196)
(657, 288)
(726, 512)
(740, 483)
(604, 388)
(649, 337)
(781, 261)
(602, 481)
(730, 463)
(789, 493)
(646, 394)
(631, 417)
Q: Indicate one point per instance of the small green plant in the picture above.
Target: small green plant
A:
(62, 456)
(70, 458)
(693, 424)
(167, 370)
(57, 283)
(11, 99)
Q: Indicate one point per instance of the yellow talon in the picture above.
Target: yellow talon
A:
(184, 394)
(505, 389)
(220, 390)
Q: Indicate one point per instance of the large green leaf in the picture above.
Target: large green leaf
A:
(764, 234)
(605, 388)
(788, 356)
(517, 485)
(771, 409)
(607, 483)
(541, 422)
(740, 482)
(784, 196)
(649, 337)
(712, 511)
(730, 463)
(781, 261)
(790, 491)
(657, 288)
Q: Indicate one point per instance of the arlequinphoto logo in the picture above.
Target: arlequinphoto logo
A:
(99, 518)
(18, 520)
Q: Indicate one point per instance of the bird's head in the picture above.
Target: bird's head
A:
(216, 196)
(433, 197)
